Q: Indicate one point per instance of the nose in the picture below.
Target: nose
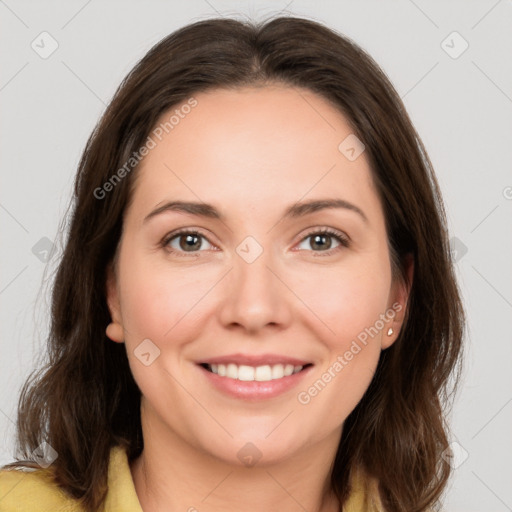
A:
(255, 296)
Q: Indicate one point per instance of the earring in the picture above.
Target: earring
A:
(390, 331)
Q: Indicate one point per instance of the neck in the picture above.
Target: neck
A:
(172, 475)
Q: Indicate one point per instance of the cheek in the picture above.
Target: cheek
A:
(163, 306)
(345, 303)
(350, 302)
(161, 303)
(335, 393)
(347, 311)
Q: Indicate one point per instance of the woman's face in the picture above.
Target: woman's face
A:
(258, 287)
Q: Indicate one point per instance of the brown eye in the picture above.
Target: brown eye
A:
(322, 241)
(185, 241)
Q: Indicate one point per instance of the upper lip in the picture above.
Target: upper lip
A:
(254, 360)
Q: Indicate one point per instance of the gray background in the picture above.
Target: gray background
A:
(461, 107)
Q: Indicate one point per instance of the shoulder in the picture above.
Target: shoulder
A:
(36, 490)
(33, 490)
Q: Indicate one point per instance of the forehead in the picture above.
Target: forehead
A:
(250, 146)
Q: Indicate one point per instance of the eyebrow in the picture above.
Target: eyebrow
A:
(294, 211)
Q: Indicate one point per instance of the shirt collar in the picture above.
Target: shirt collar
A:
(122, 496)
(121, 489)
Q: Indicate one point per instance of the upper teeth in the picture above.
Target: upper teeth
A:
(259, 373)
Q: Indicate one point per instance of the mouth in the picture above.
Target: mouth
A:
(254, 378)
(246, 373)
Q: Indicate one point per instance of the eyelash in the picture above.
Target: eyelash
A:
(340, 237)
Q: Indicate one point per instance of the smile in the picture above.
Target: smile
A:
(254, 378)
(250, 373)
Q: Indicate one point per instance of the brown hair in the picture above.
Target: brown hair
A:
(85, 400)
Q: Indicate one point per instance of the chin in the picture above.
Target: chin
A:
(248, 452)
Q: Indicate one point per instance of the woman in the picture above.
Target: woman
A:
(256, 307)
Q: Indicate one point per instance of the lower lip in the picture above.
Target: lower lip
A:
(254, 390)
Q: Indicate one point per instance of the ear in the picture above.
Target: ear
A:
(399, 298)
(114, 330)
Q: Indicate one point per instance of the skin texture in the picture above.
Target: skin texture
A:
(251, 153)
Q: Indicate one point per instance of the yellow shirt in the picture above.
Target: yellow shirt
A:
(33, 491)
